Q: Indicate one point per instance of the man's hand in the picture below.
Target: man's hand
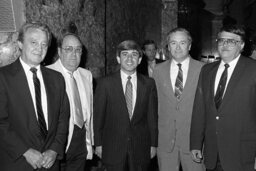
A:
(34, 158)
(197, 155)
(49, 157)
(255, 164)
(152, 152)
(98, 151)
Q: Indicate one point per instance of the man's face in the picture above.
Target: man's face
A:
(70, 53)
(179, 46)
(230, 46)
(34, 46)
(150, 51)
(129, 60)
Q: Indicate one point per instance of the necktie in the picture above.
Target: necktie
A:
(179, 83)
(221, 87)
(128, 96)
(40, 114)
(78, 115)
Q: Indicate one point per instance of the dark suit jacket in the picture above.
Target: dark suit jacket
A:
(114, 131)
(18, 122)
(230, 130)
(143, 66)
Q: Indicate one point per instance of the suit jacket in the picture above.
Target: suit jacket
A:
(18, 122)
(174, 117)
(143, 66)
(84, 83)
(114, 131)
(230, 130)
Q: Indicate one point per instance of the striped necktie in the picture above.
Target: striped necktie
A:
(128, 96)
(179, 83)
(221, 87)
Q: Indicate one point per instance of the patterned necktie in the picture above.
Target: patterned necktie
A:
(221, 87)
(128, 96)
(78, 115)
(40, 114)
(179, 83)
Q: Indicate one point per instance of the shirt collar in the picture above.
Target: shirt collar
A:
(183, 63)
(124, 75)
(27, 68)
(232, 63)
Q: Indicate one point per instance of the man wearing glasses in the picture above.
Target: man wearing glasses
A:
(79, 90)
(223, 119)
(125, 114)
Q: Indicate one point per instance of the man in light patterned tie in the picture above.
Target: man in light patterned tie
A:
(176, 81)
(79, 89)
(125, 114)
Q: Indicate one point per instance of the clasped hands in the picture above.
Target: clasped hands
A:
(40, 160)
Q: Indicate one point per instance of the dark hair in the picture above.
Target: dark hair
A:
(179, 29)
(235, 29)
(62, 37)
(34, 25)
(128, 45)
(149, 42)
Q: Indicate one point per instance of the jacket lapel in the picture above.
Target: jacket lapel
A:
(166, 79)
(24, 92)
(235, 77)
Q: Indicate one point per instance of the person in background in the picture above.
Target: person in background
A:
(34, 107)
(79, 89)
(149, 59)
(223, 120)
(176, 81)
(125, 114)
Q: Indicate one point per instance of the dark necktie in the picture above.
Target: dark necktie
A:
(78, 115)
(40, 114)
(221, 87)
(128, 96)
(179, 83)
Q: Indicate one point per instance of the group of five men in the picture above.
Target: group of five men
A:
(187, 114)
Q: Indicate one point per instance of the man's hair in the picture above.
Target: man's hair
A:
(149, 42)
(128, 45)
(62, 37)
(235, 29)
(179, 29)
(34, 25)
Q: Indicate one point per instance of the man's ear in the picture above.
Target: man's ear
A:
(20, 44)
(139, 60)
(118, 59)
(59, 51)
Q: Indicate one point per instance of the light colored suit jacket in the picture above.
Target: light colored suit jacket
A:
(174, 117)
(84, 83)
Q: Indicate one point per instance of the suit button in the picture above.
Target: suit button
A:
(217, 117)
(128, 139)
(177, 108)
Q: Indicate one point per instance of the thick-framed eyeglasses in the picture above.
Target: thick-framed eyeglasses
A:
(70, 49)
(228, 42)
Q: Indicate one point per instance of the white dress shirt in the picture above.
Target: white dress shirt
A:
(221, 68)
(29, 76)
(174, 70)
(134, 86)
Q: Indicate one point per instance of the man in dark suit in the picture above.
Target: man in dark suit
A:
(125, 114)
(224, 113)
(149, 59)
(34, 107)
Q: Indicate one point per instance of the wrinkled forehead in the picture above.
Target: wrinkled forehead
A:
(229, 35)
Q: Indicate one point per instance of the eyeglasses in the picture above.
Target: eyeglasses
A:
(70, 49)
(228, 42)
